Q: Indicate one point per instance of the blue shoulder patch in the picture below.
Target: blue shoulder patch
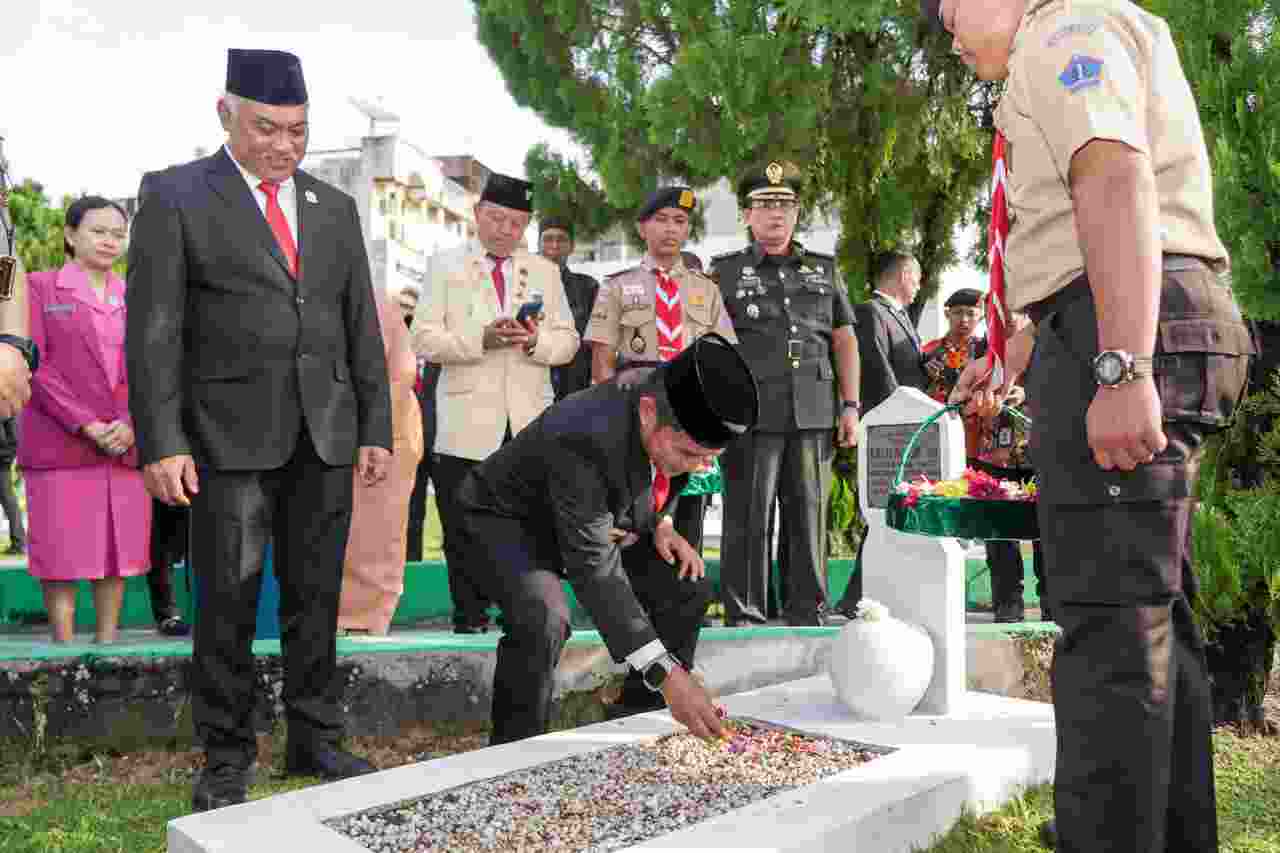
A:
(1081, 72)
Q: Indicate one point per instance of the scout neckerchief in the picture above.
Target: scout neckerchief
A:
(669, 322)
(997, 310)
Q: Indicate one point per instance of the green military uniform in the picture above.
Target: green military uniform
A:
(784, 309)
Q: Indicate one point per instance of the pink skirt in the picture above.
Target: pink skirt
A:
(87, 523)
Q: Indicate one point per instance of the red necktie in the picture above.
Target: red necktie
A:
(668, 317)
(280, 226)
(499, 280)
(661, 488)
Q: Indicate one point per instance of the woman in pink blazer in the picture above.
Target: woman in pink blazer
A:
(89, 513)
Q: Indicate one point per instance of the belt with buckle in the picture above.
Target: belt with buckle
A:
(794, 349)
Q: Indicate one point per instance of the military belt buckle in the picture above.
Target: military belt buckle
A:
(794, 348)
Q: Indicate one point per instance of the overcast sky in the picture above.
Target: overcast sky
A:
(94, 93)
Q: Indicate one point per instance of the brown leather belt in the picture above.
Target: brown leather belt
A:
(1079, 287)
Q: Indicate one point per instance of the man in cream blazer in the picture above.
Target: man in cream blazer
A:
(496, 360)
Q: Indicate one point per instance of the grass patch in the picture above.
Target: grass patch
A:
(1248, 779)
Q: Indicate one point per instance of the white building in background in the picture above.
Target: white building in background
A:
(410, 208)
(726, 232)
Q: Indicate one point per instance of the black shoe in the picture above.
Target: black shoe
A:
(836, 618)
(218, 786)
(173, 627)
(15, 549)
(327, 762)
(470, 629)
(1008, 613)
(1049, 834)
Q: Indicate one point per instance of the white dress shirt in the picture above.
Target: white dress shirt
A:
(288, 195)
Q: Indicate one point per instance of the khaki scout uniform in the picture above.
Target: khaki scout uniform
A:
(1131, 696)
(624, 313)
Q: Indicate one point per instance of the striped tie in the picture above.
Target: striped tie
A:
(668, 317)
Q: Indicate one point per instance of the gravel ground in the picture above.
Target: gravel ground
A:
(609, 799)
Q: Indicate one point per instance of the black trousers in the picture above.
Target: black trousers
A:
(418, 508)
(519, 567)
(1130, 683)
(795, 468)
(9, 503)
(1004, 562)
(304, 509)
(469, 602)
(169, 529)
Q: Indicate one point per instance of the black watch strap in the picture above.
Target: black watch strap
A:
(851, 404)
(27, 347)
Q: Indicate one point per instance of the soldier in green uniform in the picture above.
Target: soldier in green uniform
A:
(795, 329)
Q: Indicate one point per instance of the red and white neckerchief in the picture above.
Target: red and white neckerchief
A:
(668, 316)
(998, 233)
(668, 320)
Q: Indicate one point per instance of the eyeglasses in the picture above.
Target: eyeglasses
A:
(773, 203)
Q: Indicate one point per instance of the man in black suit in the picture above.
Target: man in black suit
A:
(257, 379)
(891, 354)
(555, 243)
(592, 475)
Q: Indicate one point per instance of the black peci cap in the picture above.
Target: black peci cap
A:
(266, 76)
(964, 297)
(712, 391)
(506, 191)
(681, 197)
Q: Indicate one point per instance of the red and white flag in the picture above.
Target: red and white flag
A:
(997, 309)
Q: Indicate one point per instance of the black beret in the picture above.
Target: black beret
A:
(506, 191)
(681, 197)
(266, 76)
(965, 296)
(712, 391)
(555, 222)
(777, 177)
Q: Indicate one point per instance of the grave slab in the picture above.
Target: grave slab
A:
(977, 757)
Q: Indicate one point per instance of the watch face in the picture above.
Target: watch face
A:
(1109, 368)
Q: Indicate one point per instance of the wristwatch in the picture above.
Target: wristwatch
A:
(850, 404)
(655, 674)
(1114, 367)
(27, 347)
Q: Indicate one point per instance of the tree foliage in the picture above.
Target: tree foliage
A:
(887, 128)
(37, 226)
(1230, 50)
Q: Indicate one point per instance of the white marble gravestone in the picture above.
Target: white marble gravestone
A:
(919, 578)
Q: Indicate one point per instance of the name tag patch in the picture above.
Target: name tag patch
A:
(1081, 73)
(59, 308)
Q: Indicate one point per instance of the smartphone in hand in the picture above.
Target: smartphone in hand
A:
(529, 311)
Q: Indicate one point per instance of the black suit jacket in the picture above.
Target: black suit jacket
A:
(572, 475)
(580, 289)
(888, 351)
(228, 356)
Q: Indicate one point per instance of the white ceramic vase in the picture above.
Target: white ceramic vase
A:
(882, 668)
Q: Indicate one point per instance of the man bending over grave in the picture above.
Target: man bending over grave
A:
(596, 473)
